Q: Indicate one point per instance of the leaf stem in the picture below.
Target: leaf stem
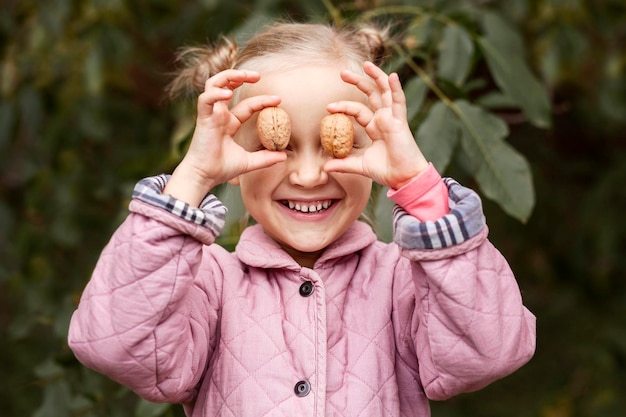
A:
(424, 76)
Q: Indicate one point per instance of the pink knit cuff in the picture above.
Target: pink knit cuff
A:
(424, 197)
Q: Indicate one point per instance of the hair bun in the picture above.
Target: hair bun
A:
(199, 64)
(376, 41)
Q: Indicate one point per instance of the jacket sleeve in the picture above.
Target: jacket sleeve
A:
(144, 319)
(468, 325)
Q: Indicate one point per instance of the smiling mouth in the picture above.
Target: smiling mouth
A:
(308, 207)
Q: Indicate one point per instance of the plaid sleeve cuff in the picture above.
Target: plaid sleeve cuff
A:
(210, 214)
(464, 221)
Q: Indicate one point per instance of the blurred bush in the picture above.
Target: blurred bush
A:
(524, 100)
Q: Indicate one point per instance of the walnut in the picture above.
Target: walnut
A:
(274, 128)
(337, 135)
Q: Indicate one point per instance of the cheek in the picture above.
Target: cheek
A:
(251, 196)
(357, 187)
(260, 181)
(250, 185)
(365, 194)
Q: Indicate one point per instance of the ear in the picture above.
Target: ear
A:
(234, 181)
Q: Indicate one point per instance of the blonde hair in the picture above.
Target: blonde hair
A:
(281, 46)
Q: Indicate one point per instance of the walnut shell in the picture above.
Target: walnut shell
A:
(274, 128)
(337, 135)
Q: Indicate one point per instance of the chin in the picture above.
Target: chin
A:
(303, 242)
(310, 247)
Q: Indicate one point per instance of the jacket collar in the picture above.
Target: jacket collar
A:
(257, 249)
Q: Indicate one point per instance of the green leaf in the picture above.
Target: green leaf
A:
(394, 64)
(496, 100)
(455, 55)
(502, 173)
(7, 222)
(7, 123)
(421, 32)
(94, 71)
(149, 409)
(237, 218)
(504, 53)
(383, 224)
(251, 24)
(502, 34)
(182, 132)
(415, 91)
(438, 135)
(56, 400)
(31, 106)
(49, 369)
(209, 4)
(611, 94)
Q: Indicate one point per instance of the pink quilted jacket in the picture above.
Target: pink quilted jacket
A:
(372, 330)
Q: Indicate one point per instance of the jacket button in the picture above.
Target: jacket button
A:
(302, 388)
(306, 288)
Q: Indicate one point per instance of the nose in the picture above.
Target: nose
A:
(307, 169)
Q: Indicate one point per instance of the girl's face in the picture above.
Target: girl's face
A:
(298, 204)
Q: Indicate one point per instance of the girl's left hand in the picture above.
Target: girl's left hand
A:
(393, 159)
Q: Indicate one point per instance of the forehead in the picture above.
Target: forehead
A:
(316, 84)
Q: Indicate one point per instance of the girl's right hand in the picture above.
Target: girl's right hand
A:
(213, 156)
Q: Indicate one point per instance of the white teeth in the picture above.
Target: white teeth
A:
(309, 208)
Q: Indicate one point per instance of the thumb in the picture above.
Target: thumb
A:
(263, 159)
(348, 165)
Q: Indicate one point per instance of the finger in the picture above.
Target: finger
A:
(348, 165)
(263, 159)
(208, 99)
(359, 111)
(220, 88)
(232, 79)
(214, 94)
(381, 80)
(246, 108)
(365, 84)
(398, 108)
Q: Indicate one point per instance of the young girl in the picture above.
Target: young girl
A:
(311, 315)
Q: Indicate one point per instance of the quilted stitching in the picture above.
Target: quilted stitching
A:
(373, 346)
(160, 303)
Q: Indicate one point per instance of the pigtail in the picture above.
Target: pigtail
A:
(376, 41)
(198, 64)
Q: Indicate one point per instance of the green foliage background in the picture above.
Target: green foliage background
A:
(524, 100)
